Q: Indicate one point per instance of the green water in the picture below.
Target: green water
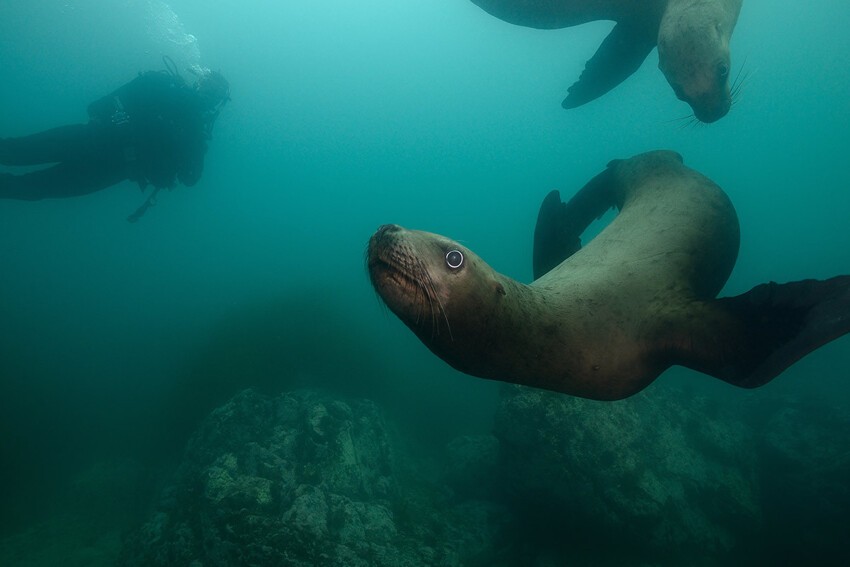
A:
(347, 115)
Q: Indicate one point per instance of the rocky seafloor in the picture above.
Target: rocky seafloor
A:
(310, 479)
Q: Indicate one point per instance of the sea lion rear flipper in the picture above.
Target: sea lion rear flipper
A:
(620, 55)
(775, 325)
(560, 225)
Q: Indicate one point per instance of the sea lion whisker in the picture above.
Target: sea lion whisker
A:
(426, 288)
(740, 70)
(692, 122)
(432, 298)
(740, 87)
(445, 316)
(405, 270)
(688, 121)
(415, 277)
(738, 84)
(420, 279)
(680, 118)
(736, 88)
(384, 307)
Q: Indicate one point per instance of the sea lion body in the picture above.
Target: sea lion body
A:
(692, 38)
(612, 316)
(675, 241)
(557, 14)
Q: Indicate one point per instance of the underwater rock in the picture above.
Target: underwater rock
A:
(471, 466)
(806, 495)
(251, 345)
(304, 479)
(652, 475)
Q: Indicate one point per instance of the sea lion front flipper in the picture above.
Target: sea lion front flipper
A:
(560, 225)
(553, 241)
(620, 55)
(769, 328)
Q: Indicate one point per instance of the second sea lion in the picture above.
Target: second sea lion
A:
(692, 38)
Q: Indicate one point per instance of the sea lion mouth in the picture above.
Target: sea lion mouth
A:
(387, 259)
(385, 271)
(708, 113)
(403, 281)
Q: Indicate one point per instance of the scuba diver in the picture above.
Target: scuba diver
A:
(152, 130)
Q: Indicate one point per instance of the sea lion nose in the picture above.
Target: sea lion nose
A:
(385, 228)
(711, 107)
(383, 236)
(711, 114)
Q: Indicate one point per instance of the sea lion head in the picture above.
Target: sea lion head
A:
(693, 53)
(440, 289)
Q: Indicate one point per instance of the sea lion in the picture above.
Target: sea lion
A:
(604, 320)
(692, 38)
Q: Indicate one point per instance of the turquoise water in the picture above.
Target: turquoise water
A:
(347, 115)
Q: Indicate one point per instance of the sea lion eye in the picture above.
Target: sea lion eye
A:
(723, 71)
(454, 259)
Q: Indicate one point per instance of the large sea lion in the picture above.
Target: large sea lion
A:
(692, 38)
(603, 321)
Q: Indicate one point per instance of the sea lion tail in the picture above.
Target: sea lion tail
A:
(778, 324)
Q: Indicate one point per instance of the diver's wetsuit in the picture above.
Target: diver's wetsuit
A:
(152, 130)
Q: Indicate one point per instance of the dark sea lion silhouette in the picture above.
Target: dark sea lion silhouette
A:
(692, 38)
(604, 320)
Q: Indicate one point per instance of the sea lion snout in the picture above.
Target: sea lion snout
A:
(711, 106)
(404, 266)
(705, 91)
(384, 228)
(392, 267)
(381, 240)
(384, 232)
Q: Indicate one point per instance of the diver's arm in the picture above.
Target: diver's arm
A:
(192, 165)
(142, 97)
(103, 108)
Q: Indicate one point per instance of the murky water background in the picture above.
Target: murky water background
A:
(115, 337)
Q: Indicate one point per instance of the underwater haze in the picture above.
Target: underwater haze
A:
(118, 338)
